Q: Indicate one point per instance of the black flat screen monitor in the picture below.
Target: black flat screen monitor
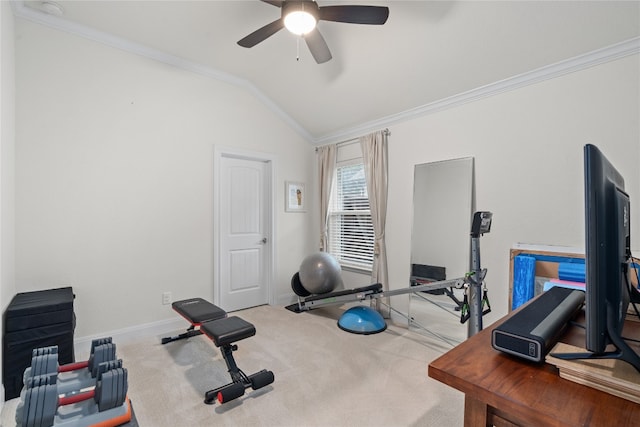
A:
(607, 257)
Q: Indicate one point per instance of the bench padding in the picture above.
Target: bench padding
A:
(227, 331)
(198, 310)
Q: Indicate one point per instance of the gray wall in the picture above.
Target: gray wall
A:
(7, 154)
(114, 172)
(527, 145)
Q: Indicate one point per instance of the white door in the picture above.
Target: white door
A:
(243, 211)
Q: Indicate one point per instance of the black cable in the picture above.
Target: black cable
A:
(630, 339)
(576, 324)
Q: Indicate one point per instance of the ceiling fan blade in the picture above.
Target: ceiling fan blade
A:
(372, 15)
(262, 34)
(274, 2)
(317, 46)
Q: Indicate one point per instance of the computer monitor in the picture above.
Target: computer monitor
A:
(607, 256)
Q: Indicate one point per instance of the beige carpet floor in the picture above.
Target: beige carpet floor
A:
(323, 376)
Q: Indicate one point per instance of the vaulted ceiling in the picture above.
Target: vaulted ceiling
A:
(428, 52)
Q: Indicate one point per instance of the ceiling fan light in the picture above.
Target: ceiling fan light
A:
(299, 22)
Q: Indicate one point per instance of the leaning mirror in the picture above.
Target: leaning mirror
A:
(440, 245)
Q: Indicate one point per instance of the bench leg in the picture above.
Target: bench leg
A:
(239, 381)
(191, 332)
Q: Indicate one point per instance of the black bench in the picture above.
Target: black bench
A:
(196, 311)
(224, 331)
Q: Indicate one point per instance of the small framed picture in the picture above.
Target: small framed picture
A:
(295, 197)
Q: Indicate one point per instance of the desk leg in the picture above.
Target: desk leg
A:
(475, 413)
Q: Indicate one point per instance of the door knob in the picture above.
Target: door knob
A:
(264, 240)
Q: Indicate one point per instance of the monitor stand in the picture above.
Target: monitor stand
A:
(622, 352)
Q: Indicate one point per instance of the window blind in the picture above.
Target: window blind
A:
(351, 235)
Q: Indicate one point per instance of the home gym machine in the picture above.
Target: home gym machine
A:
(476, 289)
(473, 307)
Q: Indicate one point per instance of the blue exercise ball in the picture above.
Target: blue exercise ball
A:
(320, 273)
(362, 320)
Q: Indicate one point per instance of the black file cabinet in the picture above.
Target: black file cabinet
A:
(33, 320)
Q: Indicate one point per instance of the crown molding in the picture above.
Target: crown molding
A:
(567, 66)
(571, 65)
(30, 14)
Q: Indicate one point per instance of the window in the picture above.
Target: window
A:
(351, 233)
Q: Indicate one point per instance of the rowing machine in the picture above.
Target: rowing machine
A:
(371, 292)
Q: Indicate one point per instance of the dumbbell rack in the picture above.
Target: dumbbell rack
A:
(42, 406)
(73, 376)
(86, 394)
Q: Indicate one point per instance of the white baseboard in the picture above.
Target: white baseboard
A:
(130, 334)
(83, 344)
(286, 299)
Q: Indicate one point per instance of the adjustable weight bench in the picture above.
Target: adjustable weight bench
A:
(212, 321)
(196, 311)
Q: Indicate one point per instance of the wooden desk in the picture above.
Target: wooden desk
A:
(503, 390)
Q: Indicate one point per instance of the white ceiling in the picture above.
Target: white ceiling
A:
(426, 52)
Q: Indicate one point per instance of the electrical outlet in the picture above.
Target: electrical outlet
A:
(166, 298)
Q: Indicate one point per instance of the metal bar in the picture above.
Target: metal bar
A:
(440, 306)
(350, 141)
(412, 321)
(342, 143)
(475, 290)
(371, 295)
(331, 300)
(457, 283)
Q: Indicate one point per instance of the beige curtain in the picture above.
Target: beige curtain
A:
(326, 168)
(374, 154)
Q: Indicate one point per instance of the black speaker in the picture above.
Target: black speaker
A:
(535, 328)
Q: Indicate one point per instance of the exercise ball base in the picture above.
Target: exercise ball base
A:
(362, 320)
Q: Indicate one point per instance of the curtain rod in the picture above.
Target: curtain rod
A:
(354, 140)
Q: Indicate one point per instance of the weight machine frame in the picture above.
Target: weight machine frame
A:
(473, 282)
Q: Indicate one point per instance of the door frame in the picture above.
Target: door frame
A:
(270, 160)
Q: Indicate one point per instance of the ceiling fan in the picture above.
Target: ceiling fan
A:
(301, 16)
